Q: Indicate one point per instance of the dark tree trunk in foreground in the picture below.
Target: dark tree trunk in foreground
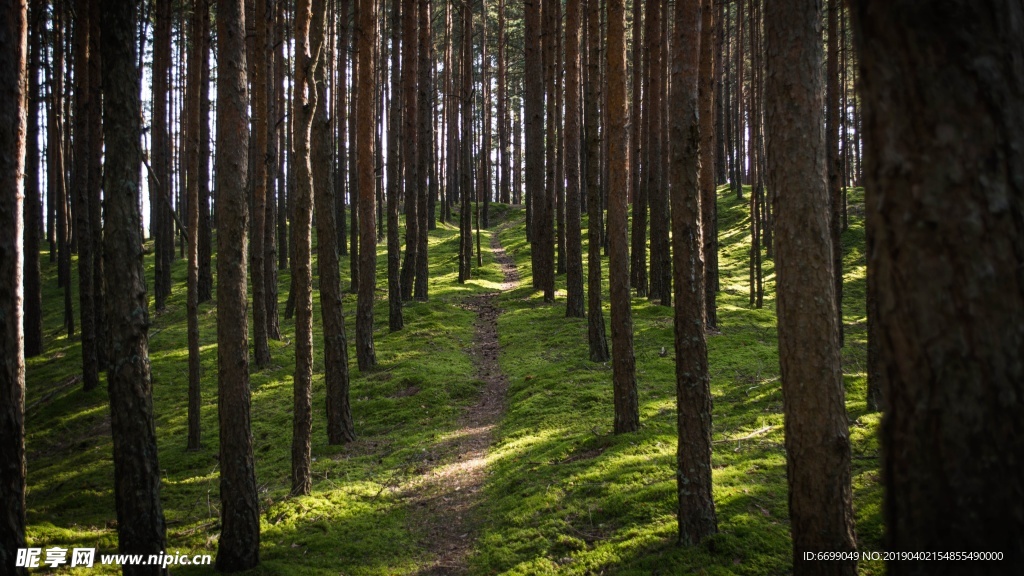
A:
(33, 221)
(239, 544)
(832, 159)
(696, 513)
(708, 83)
(574, 305)
(366, 41)
(192, 143)
(302, 272)
(13, 97)
(627, 411)
(942, 100)
(817, 431)
(336, 376)
(596, 334)
(140, 519)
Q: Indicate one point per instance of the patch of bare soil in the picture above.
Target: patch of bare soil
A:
(445, 497)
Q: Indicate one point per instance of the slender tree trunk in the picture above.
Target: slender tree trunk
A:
(140, 520)
(425, 143)
(533, 100)
(544, 208)
(13, 99)
(696, 511)
(96, 180)
(273, 163)
(559, 158)
(596, 334)
(410, 148)
(353, 173)
(160, 184)
(239, 544)
(943, 197)
(342, 121)
(832, 159)
(708, 83)
(366, 40)
(627, 411)
(261, 347)
(641, 147)
(817, 433)
(485, 117)
(33, 211)
(504, 170)
(574, 305)
(661, 263)
(192, 143)
(395, 320)
(466, 144)
(205, 235)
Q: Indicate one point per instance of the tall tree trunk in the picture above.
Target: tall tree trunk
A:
(533, 101)
(303, 107)
(205, 222)
(192, 303)
(627, 411)
(817, 433)
(90, 364)
(395, 320)
(466, 144)
(268, 22)
(353, 173)
(661, 263)
(832, 159)
(140, 520)
(33, 212)
(13, 98)
(944, 207)
(160, 184)
(696, 506)
(366, 40)
(559, 158)
(504, 170)
(410, 148)
(641, 147)
(708, 83)
(425, 144)
(96, 180)
(342, 121)
(260, 81)
(596, 334)
(485, 117)
(239, 544)
(574, 305)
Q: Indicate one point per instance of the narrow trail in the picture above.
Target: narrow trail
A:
(447, 494)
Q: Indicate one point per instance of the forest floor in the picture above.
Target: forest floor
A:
(522, 450)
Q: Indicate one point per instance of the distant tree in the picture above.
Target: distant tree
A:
(239, 545)
(13, 99)
(366, 41)
(943, 167)
(504, 168)
(817, 431)
(485, 123)
(627, 410)
(696, 512)
(140, 520)
(596, 334)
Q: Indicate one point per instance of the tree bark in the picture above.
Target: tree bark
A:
(140, 520)
(366, 40)
(574, 304)
(410, 148)
(205, 223)
(817, 433)
(192, 143)
(395, 320)
(13, 97)
(261, 348)
(163, 245)
(661, 263)
(596, 334)
(708, 82)
(425, 145)
(533, 101)
(835, 190)
(943, 195)
(696, 506)
(627, 411)
(33, 212)
(239, 544)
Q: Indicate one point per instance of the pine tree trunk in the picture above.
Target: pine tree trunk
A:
(708, 83)
(627, 411)
(596, 334)
(410, 148)
(13, 98)
(239, 543)
(366, 40)
(192, 303)
(140, 520)
(533, 101)
(257, 253)
(832, 159)
(816, 428)
(574, 304)
(33, 211)
(205, 234)
(943, 195)
(696, 506)
(160, 190)
(425, 145)
(395, 320)
(661, 264)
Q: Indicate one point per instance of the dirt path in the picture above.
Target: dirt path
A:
(447, 494)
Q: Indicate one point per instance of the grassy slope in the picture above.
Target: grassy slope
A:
(568, 497)
(564, 496)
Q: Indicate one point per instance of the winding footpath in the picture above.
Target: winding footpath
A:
(447, 494)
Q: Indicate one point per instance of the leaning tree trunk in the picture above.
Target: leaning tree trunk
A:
(239, 544)
(817, 432)
(140, 519)
(945, 211)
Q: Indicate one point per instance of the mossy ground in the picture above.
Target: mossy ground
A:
(563, 495)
